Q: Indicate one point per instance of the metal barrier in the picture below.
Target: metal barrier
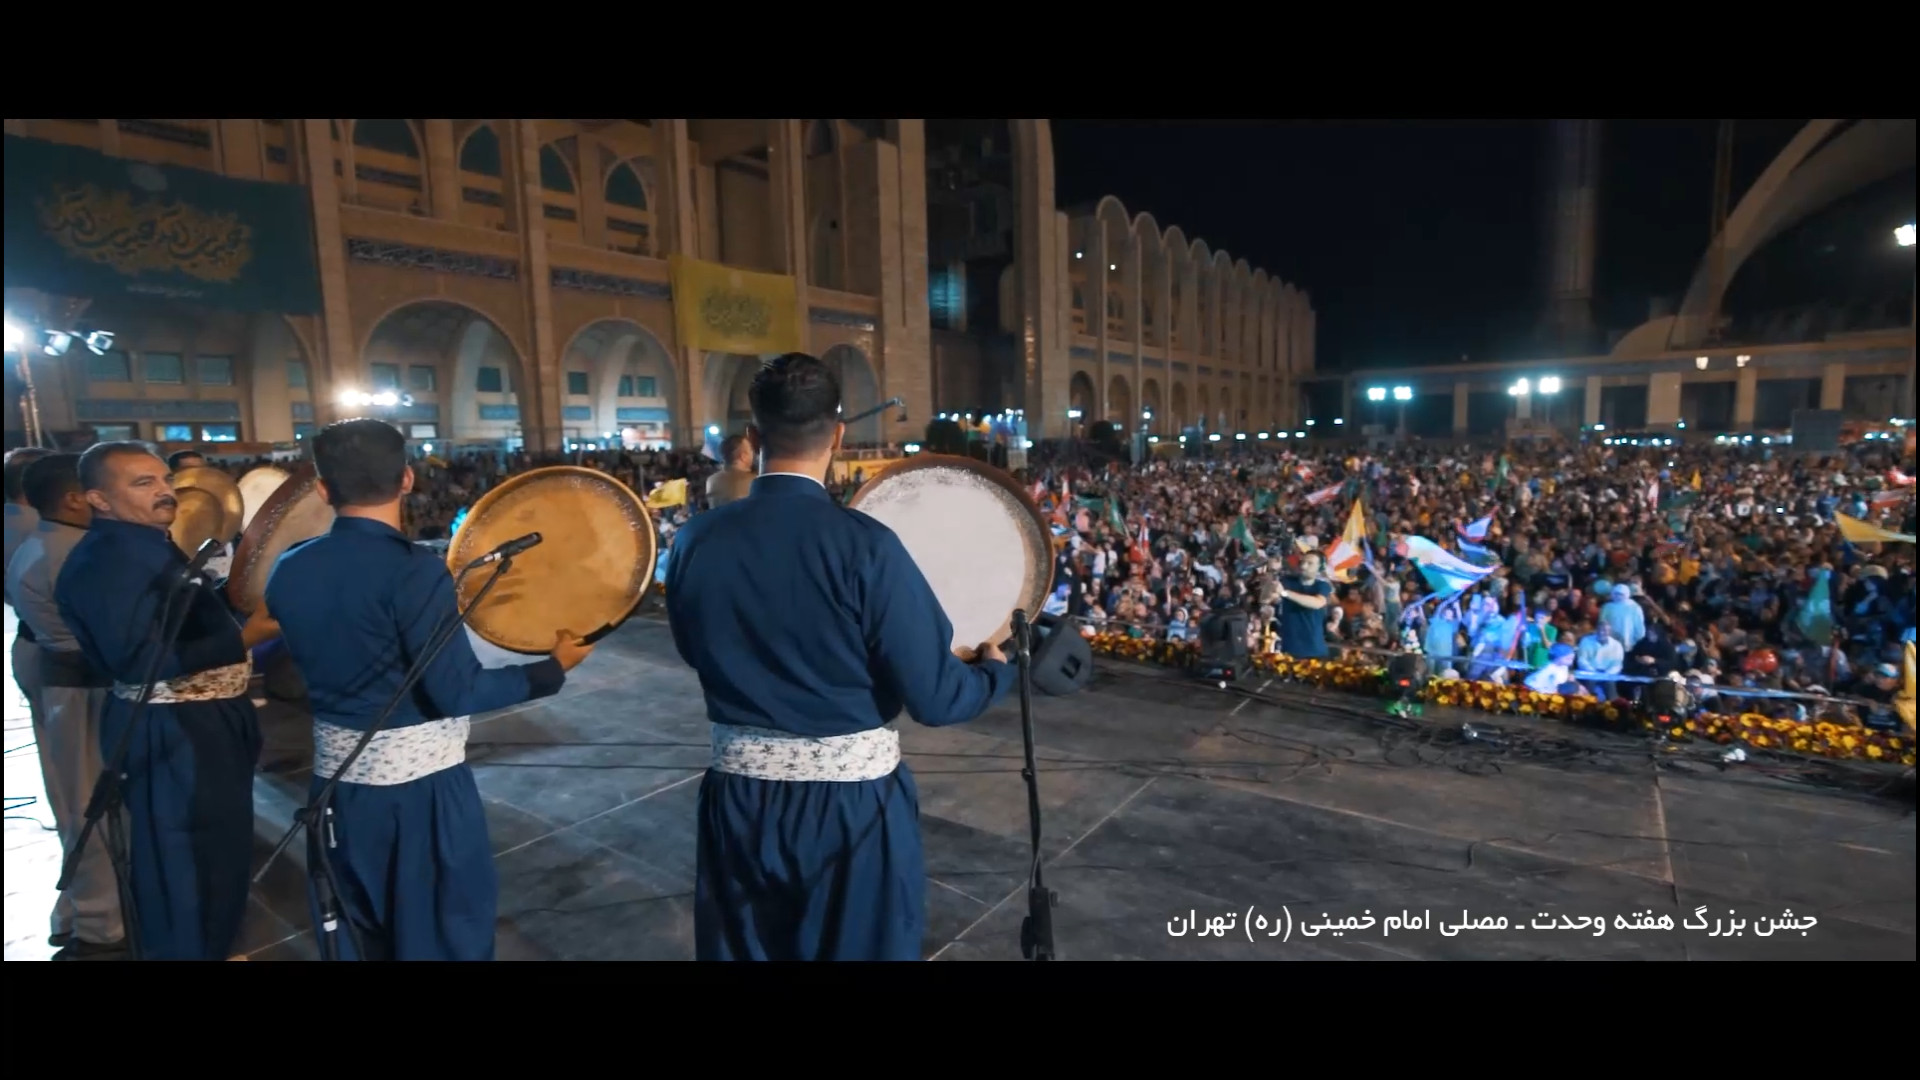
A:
(1514, 665)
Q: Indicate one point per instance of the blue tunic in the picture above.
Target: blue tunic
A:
(811, 619)
(413, 861)
(189, 791)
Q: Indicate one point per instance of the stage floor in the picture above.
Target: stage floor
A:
(1165, 804)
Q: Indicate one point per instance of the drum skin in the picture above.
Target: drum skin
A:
(591, 569)
(222, 487)
(976, 536)
(256, 488)
(198, 519)
(294, 513)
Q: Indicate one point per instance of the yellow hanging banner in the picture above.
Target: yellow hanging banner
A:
(720, 309)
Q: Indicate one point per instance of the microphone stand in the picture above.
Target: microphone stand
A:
(1036, 930)
(319, 811)
(109, 790)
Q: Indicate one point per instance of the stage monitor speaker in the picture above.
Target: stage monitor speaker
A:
(1816, 431)
(1062, 659)
(1224, 654)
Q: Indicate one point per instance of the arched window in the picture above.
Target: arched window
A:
(481, 152)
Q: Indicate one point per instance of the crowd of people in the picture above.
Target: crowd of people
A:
(1721, 565)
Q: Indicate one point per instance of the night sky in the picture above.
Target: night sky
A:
(1420, 241)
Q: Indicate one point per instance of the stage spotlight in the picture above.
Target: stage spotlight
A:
(99, 342)
(1668, 699)
(58, 342)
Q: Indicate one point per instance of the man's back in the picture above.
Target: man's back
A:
(812, 619)
(728, 485)
(30, 577)
(356, 608)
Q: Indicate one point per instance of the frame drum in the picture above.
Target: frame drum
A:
(217, 483)
(589, 572)
(256, 487)
(975, 535)
(198, 518)
(295, 512)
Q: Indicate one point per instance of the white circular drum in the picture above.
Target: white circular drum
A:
(975, 535)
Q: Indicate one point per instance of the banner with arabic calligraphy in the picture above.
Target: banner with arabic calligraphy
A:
(80, 223)
(720, 309)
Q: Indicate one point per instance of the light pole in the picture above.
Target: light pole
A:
(1549, 386)
(1519, 391)
(1376, 395)
(1402, 395)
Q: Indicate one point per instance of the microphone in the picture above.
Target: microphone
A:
(198, 564)
(509, 549)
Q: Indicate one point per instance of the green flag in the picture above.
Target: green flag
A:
(1242, 533)
(1114, 517)
(1264, 501)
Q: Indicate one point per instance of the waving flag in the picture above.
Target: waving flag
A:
(1446, 573)
(1349, 552)
(1898, 478)
(1814, 620)
(1859, 532)
(1264, 501)
(1242, 533)
(710, 448)
(1880, 500)
(1324, 495)
(1476, 531)
(668, 494)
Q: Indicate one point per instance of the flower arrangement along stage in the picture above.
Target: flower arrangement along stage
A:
(1818, 739)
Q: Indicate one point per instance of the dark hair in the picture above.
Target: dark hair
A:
(93, 463)
(17, 461)
(363, 462)
(51, 479)
(796, 404)
(174, 459)
(730, 447)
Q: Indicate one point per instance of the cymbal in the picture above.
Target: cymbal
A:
(223, 488)
(198, 519)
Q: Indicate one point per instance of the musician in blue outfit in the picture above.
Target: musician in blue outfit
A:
(811, 629)
(189, 788)
(406, 840)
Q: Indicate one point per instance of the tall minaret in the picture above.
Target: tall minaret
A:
(1573, 209)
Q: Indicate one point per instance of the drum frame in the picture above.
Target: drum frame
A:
(458, 560)
(264, 524)
(249, 511)
(1043, 560)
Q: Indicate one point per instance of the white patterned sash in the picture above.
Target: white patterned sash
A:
(395, 756)
(215, 684)
(764, 754)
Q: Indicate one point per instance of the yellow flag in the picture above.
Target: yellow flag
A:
(1903, 701)
(668, 495)
(1349, 551)
(1859, 532)
(1696, 480)
(720, 309)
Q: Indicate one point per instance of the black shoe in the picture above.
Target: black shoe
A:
(93, 950)
(59, 941)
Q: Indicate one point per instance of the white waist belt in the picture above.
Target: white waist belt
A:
(217, 684)
(763, 754)
(395, 756)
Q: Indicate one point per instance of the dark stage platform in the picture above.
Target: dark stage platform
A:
(1165, 803)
